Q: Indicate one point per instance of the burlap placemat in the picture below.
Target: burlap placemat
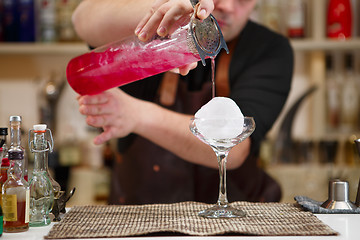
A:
(263, 219)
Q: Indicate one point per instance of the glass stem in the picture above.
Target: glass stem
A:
(222, 201)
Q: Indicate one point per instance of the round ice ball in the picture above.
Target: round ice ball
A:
(220, 118)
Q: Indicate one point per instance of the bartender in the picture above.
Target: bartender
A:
(160, 160)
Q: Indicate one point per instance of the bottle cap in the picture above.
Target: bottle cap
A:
(15, 118)
(3, 131)
(39, 127)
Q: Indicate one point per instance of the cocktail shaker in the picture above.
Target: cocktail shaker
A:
(129, 60)
(338, 196)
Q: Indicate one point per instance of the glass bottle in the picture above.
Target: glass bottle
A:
(66, 31)
(129, 59)
(26, 13)
(350, 98)
(333, 95)
(339, 19)
(271, 15)
(5, 164)
(41, 189)
(295, 24)
(4, 159)
(15, 191)
(46, 20)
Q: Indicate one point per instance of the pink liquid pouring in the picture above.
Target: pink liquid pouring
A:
(128, 61)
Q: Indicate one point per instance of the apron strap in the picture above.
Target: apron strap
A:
(168, 88)
(222, 71)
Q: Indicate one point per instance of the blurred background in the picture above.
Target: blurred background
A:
(312, 141)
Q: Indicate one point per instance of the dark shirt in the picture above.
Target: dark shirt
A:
(260, 79)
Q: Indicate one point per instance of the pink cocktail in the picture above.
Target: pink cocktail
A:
(129, 60)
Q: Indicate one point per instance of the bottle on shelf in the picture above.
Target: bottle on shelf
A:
(10, 22)
(295, 18)
(66, 31)
(350, 97)
(356, 18)
(46, 20)
(15, 191)
(271, 15)
(339, 19)
(333, 95)
(26, 20)
(41, 189)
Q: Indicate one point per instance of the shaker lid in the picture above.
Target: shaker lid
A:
(39, 127)
(15, 118)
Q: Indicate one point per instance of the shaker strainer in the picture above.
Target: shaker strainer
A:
(206, 35)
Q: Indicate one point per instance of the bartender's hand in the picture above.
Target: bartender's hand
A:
(165, 13)
(184, 70)
(162, 18)
(114, 111)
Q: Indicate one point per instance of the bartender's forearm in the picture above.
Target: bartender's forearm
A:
(101, 21)
(170, 130)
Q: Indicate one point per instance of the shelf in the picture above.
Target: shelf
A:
(325, 45)
(43, 48)
(80, 47)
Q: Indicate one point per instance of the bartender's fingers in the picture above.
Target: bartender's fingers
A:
(93, 109)
(165, 13)
(161, 17)
(173, 17)
(105, 136)
(152, 16)
(184, 70)
(94, 105)
(95, 120)
(93, 99)
(205, 8)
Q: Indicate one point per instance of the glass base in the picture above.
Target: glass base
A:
(43, 222)
(225, 211)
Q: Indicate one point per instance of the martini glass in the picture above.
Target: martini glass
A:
(230, 134)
